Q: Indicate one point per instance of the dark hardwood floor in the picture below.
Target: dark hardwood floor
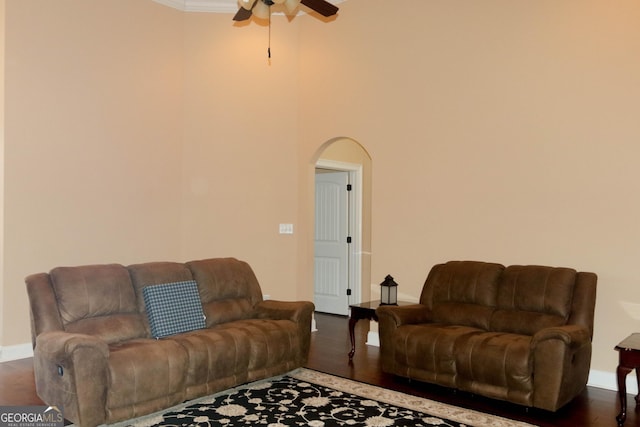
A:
(329, 348)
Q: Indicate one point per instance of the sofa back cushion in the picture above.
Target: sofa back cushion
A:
(155, 273)
(531, 298)
(462, 292)
(228, 289)
(97, 300)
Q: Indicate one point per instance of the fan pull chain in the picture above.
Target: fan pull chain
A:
(269, 47)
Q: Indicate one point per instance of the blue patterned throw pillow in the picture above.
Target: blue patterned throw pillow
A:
(173, 308)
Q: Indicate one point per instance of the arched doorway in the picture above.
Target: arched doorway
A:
(342, 226)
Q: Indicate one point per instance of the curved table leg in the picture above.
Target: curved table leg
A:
(638, 382)
(622, 373)
(352, 325)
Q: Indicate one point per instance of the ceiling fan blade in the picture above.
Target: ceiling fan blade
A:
(323, 7)
(242, 14)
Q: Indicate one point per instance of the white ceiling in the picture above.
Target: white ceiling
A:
(217, 6)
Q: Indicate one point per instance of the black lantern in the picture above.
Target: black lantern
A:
(388, 291)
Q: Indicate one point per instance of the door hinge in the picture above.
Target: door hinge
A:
(348, 239)
(348, 292)
(348, 187)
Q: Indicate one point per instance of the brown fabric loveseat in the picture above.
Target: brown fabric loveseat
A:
(520, 333)
(95, 357)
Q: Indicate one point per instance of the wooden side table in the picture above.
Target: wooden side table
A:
(365, 310)
(628, 360)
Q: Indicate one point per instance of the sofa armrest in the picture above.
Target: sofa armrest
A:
(391, 317)
(295, 311)
(404, 315)
(61, 344)
(299, 312)
(573, 336)
(71, 371)
(562, 359)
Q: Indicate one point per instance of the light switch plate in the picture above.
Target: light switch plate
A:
(286, 228)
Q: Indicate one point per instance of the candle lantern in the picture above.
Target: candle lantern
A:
(388, 291)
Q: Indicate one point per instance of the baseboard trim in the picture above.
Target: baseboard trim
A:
(15, 352)
(373, 338)
(609, 381)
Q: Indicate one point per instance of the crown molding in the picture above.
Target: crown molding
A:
(214, 6)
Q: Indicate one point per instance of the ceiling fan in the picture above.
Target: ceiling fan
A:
(261, 8)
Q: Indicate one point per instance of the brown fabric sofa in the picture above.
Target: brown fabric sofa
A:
(95, 357)
(520, 333)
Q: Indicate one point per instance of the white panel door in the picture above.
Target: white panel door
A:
(331, 279)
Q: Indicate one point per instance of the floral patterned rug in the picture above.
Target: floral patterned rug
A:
(308, 398)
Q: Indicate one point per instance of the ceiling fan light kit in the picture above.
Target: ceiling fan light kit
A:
(246, 4)
(291, 5)
(262, 8)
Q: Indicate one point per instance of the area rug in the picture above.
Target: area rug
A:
(309, 398)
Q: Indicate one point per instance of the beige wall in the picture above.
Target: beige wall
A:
(171, 138)
(498, 130)
(2, 180)
(241, 116)
(93, 139)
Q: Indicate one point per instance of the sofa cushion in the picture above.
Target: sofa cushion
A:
(97, 300)
(497, 365)
(228, 289)
(155, 273)
(213, 356)
(143, 372)
(238, 351)
(111, 329)
(173, 308)
(271, 341)
(428, 351)
(531, 298)
(462, 292)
